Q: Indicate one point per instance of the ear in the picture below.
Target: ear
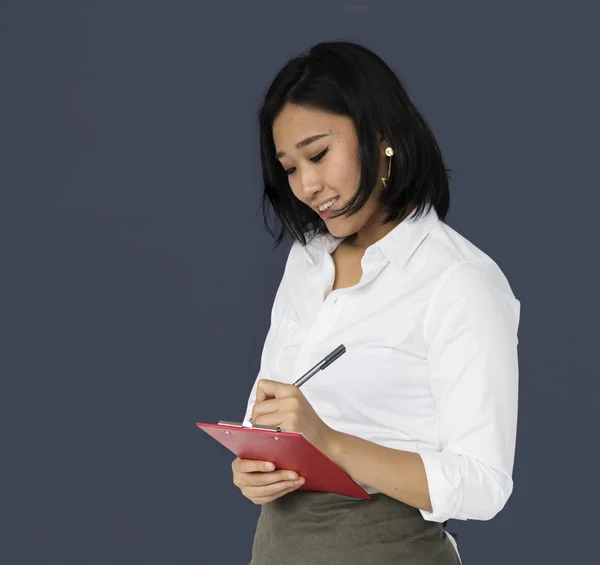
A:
(383, 142)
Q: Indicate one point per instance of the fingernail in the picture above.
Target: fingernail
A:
(298, 482)
(291, 477)
(269, 466)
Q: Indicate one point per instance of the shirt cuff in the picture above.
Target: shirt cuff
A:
(445, 486)
(463, 487)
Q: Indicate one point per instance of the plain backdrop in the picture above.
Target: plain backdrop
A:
(136, 277)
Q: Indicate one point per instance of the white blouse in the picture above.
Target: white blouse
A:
(431, 356)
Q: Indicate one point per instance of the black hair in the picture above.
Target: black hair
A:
(348, 79)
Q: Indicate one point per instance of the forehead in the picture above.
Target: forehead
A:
(295, 123)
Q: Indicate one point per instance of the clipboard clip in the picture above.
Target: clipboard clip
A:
(254, 426)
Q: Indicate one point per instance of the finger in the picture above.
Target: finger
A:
(264, 500)
(274, 420)
(243, 480)
(268, 406)
(272, 489)
(273, 389)
(263, 479)
(261, 390)
(253, 466)
(273, 412)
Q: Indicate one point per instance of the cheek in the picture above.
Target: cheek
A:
(344, 175)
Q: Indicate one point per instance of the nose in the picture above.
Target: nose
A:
(310, 184)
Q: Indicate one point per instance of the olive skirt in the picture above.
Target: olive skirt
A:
(316, 528)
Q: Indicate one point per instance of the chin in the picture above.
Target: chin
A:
(337, 229)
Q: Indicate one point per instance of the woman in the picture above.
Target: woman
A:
(421, 411)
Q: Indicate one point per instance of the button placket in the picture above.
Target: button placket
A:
(327, 319)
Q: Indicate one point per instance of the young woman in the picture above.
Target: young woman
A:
(421, 410)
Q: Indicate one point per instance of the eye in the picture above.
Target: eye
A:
(318, 157)
(314, 159)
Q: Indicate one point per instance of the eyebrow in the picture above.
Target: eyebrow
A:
(303, 143)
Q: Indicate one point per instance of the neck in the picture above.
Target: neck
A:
(374, 231)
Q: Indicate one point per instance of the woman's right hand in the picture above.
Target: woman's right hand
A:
(260, 483)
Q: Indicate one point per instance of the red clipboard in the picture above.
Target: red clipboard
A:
(286, 450)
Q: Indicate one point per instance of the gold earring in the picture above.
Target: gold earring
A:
(389, 152)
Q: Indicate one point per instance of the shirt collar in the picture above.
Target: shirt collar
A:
(396, 246)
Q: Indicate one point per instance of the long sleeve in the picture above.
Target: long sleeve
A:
(266, 351)
(471, 332)
(261, 374)
(270, 340)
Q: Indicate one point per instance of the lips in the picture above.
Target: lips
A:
(327, 213)
(335, 199)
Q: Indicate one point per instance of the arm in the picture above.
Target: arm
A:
(399, 474)
(280, 299)
(471, 331)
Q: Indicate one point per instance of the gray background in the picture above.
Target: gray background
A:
(137, 278)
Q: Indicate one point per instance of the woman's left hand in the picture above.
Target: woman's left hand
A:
(284, 405)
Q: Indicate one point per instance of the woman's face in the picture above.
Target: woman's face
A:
(327, 167)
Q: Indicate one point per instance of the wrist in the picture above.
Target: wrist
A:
(331, 443)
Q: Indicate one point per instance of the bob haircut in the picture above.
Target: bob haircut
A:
(348, 79)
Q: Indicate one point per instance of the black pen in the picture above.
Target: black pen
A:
(328, 360)
(335, 354)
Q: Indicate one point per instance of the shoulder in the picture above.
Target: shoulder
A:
(447, 246)
(465, 263)
(468, 282)
(457, 262)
